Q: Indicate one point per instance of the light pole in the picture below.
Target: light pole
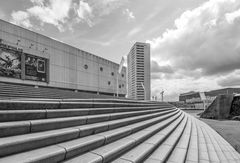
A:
(162, 95)
(144, 90)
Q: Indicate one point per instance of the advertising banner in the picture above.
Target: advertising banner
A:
(35, 68)
(10, 63)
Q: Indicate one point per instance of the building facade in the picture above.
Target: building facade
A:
(27, 57)
(204, 99)
(138, 69)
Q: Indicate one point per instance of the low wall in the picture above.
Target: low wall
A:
(220, 108)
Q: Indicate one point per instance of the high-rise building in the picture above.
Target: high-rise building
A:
(139, 72)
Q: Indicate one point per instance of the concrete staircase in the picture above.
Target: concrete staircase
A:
(105, 130)
(12, 90)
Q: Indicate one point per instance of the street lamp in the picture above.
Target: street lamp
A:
(162, 95)
(144, 90)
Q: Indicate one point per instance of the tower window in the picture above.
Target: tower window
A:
(101, 69)
(112, 73)
(86, 66)
(109, 83)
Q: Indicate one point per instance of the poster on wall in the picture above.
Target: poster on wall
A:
(10, 63)
(35, 68)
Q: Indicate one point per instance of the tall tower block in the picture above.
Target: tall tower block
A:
(139, 86)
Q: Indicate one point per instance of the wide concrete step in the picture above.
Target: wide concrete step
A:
(39, 105)
(18, 115)
(10, 145)
(24, 127)
(83, 144)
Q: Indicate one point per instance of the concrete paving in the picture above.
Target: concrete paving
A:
(228, 129)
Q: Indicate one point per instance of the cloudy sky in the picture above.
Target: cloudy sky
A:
(195, 44)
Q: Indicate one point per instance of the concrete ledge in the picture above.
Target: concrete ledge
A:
(21, 143)
(17, 115)
(26, 105)
(14, 128)
(57, 113)
(82, 145)
(50, 154)
(86, 158)
(111, 151)
(49, 124)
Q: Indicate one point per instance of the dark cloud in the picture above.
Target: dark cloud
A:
(206, 40)
(156, 68)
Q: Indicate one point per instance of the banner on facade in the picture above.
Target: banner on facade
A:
(35, 68)
(10, 62)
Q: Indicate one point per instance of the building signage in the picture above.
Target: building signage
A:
(35, 68)
(10, 61)
(11, 64)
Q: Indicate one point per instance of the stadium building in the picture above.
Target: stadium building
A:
(29, 58)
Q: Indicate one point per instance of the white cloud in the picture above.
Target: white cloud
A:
(58, 12)
(38, 2)
(105, 7)
(232, 16)
(129, 14)
(53, 12)
(21, 18)
(84, 13)
(92, 11)
(205, 42)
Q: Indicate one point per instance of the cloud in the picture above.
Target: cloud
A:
(156, 76)
(53, 12)
(129, 14)
(92, 11)
(230, 80)
(155, 67)
(204, 39)
(63, 14)
(84, 13)
(202, 48)
(2, 14)
(105, 7)
(134, 31)
(21, 18)
(231, 17)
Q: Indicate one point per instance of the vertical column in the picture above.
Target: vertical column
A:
(23, 66)
(47, 70)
